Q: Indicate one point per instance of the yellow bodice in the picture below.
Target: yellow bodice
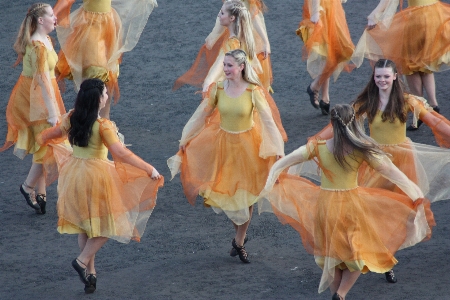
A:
(100, 6)
(29, 68)
(387, 132)
(421, 2)
(340, 178)
(236, 114)
(95, 148)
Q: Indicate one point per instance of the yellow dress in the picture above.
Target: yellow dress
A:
(427, 166)
(328, 46)
(94, 37)
(227, 162)
(97, 196)
(34, 99)
(341, 224)
(417, 38)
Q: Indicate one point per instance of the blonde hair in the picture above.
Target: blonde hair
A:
(248, 74)
(243, 28)
(29, 26)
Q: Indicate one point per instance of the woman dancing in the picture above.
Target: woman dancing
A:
(327, 47)
(94, 37)
(35, 102)
(99, 199)
(349, 229)
(416, 53)
(227, 162)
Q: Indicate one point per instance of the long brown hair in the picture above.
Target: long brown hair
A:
(368, 101)
(29, 26)
(348, 133)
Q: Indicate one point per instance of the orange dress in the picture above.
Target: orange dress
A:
(97, 196)
(34, 99)
(345, 226)
(217, 44)
(328, 46)
(417, 39)
(227, 162)
(94, 37)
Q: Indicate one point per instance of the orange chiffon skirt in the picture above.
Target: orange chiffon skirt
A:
(89, 47)
(359, 229)
(225, 169)
(418, 40)
(425, 165)
(328, 46)
(21, 131)
(95, 199)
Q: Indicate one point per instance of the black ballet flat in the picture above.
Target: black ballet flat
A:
(324, 107)
(82, 273)
(243, 255)
(92, 286)
(233, 251)
(28, 196)
(390, 276)
(419, 122)
(336, 296)
(312, 97)
(41, 200)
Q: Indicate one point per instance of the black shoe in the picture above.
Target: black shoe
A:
(324, 107)
(390, 276)
(336, 296)
(41, 200)
(312, 97)
(437, 109)
(80, 270)
(243, 255)
(233, 251)
(92, 286)
(28, 196)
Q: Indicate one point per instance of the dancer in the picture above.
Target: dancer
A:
(35, 102)
(327, 47)
(94, 37)
(99, 199)
(385, 105)
(416, 53)
(239, 25)
(349, 229)
(227, 163)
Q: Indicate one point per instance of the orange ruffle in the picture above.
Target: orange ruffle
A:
(21, 131)
(328, 45)
(408, 41)
(224, 168)
(94, 38)
(360, 229)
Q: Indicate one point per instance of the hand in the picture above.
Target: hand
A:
(279, 156)
(155, 174)
(266, 50)
(53, 121)
(315, 18)
(183, 148)
(371, 24)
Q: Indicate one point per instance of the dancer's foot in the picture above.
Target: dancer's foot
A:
(324, 107)
(29, 194)
(313, 97)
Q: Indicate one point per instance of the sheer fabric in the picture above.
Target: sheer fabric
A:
(228, 168)
(343, 225)
(327, 45)
(97, 196)
(96, 35)
(409, 43)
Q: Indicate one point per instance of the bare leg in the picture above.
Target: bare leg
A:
(90, 248)
(347, 281)
(325, 91)
(242, 229)
(40, 186)
(35, 178)
(415, 84)
(430, 87)
(336, 281)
